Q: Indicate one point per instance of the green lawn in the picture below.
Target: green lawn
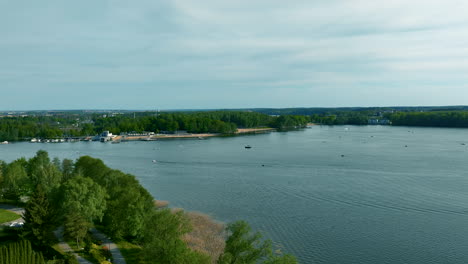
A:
(7, 216)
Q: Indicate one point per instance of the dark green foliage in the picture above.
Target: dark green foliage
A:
(76, 226)
(39, 218)
(15, 180)
(92, 168)
(67, 168)
(287, 122)
(162, 241)
(128, 203)
(202, 122)
(243, 247)
(433, 119)
(128, 206)
(83, 201)
(342, 118)
(2, 168)
(20, 253)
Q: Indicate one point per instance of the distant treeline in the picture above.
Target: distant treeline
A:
(431, 119)
(337, 110)
(341, 118)
(224, 122)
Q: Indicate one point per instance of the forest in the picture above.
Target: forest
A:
(85, 194)
(431, 119)
(72, 124)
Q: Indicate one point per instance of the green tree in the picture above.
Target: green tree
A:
(67, 168)
(94, 169)
(39, 218)
(128, 206)
(85, 197)
(242, 247)
(245, 247)
(15, 180)
(83, 201)
(42, 171)
(76, 226)
(41, 159)
(162, 241)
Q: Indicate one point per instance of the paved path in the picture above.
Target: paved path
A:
(66, 248)
(14, 209)
(116, 255)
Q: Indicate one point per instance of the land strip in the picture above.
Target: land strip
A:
(190, 135)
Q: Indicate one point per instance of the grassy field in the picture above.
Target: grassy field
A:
(7, 216)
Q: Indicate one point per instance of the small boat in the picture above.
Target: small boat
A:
(4, 142)
(248, 146)
(154, 161)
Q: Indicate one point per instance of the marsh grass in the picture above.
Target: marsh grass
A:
(207, 235)
(161, 203)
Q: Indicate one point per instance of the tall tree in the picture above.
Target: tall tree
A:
(15, 180)
(83, 201)
(76, 226)
(42, 171)
(128, 206)
(39, 218)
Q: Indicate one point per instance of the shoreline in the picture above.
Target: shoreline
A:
(124, 138)
(190, 135)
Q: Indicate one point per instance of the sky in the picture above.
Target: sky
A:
(188, 54)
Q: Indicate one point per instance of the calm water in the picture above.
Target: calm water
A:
(381, 202)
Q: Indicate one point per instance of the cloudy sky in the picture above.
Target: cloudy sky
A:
(167, 54)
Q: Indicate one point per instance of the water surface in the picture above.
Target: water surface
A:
(369, 194)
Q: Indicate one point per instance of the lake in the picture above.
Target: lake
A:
(343, 194)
